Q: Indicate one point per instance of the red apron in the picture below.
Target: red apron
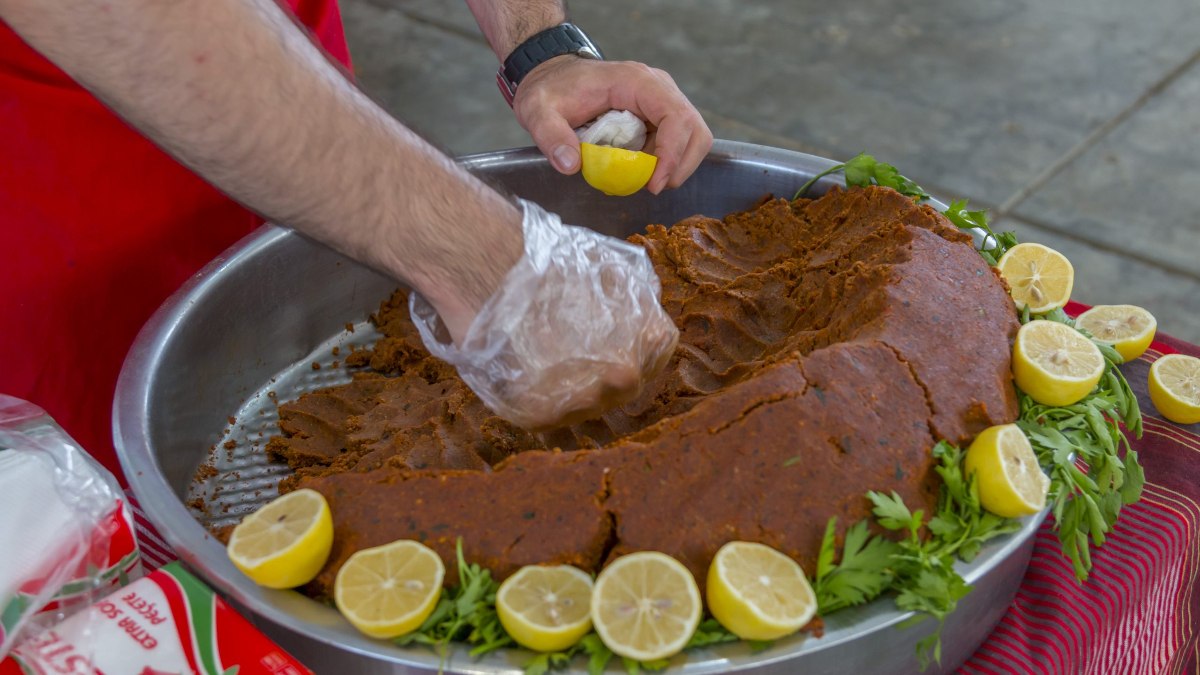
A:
(97, 227)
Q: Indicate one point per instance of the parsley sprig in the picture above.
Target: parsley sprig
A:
(466, 612)
(919, 570)
(864, 170)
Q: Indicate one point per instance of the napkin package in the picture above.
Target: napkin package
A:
(66, 533)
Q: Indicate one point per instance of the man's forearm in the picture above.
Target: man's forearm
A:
(508, 23)
(234, 90)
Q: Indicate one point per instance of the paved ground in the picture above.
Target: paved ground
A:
(1075, 123)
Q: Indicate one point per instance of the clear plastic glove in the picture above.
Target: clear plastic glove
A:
(574, 329)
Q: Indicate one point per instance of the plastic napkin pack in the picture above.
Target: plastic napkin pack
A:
(66, 532)
(165, 623)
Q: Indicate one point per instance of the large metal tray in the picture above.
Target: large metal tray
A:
(244, 332)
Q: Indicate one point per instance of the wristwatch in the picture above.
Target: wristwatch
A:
(565, 38)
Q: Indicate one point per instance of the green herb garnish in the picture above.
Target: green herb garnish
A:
(862, 573)
(920, 572)
(466, 612)
(1086, 500)
(709, 632)
(864, 170)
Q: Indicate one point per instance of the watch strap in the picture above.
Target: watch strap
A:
(565, 38)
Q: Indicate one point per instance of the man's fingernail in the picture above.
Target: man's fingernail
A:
(566, 158)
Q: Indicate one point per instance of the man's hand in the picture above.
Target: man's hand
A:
(569, 91)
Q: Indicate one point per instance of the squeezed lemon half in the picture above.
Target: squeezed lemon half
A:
(758, 593)
(1011, 482)
(285, 543)
(389, 590)
(614, 171)
(645, 606)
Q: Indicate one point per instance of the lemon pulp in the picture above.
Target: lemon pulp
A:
(645, 606)
(546, 608)
(285, 543)
(389, 590)
(1175, 388)
(1055, 364)
(1038, 277)
(757, 592)
(1128, 328)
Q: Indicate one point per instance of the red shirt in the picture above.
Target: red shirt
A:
(97, 227)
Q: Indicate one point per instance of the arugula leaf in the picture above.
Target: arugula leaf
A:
(864, 170)
(1081, 445)
(710, 632)
(466, 612)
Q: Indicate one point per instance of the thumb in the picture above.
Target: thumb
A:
(556, 139)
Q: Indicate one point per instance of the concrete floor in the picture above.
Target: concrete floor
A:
(1075, 123)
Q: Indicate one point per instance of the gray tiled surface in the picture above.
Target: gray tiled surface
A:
(971, 98)
(1137, 188)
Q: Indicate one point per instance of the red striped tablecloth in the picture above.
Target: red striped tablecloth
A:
(1137, 612)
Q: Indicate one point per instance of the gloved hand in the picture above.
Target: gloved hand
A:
(575, 328)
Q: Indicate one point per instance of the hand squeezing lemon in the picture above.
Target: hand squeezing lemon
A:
(610, 150)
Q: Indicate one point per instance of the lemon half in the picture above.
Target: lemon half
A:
(546, 608)
(758, 593)
(389, 590)
(1128, 328)
(646, 606)
(1175, 388)
(1055, 364)
(1038, 277)
(614, 171)
(1011, 482)
(285, 543)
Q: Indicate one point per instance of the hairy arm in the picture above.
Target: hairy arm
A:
(508, 23)
(568, 91)
(234, 90)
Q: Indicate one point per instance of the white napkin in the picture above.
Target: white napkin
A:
(618, 128)
(38, 529)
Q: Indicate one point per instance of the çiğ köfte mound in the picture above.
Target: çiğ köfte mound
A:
(825, 346)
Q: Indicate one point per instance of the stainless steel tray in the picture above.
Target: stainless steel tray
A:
(208, 367)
